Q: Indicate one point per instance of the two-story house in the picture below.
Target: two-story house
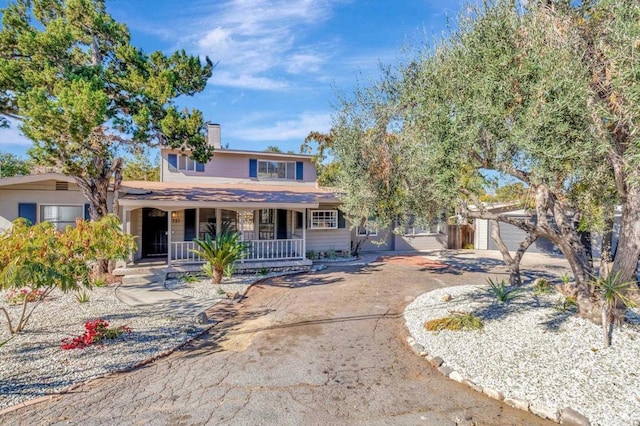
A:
(271, 198)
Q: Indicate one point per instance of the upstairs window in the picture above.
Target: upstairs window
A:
(282, 170)
(324, 219)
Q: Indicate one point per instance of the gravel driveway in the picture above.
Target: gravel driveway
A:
(321, 348)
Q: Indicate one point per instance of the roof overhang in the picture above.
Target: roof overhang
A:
(17, 180)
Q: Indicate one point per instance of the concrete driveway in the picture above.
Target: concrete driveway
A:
(321, 348)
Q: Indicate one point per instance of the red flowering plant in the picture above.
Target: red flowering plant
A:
(94, 331)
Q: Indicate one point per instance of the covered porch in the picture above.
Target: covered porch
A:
(167, 217)
(272, 234)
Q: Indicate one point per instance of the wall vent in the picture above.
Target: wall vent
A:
(62, 186)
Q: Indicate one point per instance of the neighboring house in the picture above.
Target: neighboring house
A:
(513, 236)
(270, 198)
(49, 197)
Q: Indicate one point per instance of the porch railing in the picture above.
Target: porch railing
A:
(275, 249)
(181, 252)
(259, 250)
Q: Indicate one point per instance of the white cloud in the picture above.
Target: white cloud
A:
(301, 63)
(251, 38)
(246, 81)
(295, 128)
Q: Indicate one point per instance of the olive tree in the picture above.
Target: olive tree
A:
(509, 93)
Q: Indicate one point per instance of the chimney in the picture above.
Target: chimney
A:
(213, 135)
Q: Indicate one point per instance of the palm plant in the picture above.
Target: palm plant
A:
(612, 294)
(218, 254)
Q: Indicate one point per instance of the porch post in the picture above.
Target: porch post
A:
(169, 238)
(126, 224)
(304, 234)
(218, 221)
(198, 222)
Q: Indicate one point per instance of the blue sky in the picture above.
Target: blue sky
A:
(280, 62)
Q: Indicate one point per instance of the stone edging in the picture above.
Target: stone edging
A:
(565, 416)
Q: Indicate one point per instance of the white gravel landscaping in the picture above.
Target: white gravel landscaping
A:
(32, 364)
(531, 350)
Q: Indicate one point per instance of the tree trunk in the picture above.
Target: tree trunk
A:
(95, 187)
(606, 250)
(217, 275)
(628, 250)
(116, 169)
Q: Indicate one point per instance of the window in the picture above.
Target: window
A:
(61, 216)
(184, 163)
(424, 227)
(276, 170)
(370, 228)
(324, 219)
(187, 164)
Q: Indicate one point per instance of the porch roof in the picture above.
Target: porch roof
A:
(175, 194)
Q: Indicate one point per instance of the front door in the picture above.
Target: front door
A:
(154, 232)
(281, 221)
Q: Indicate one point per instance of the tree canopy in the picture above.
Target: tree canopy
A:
(544, 93)
(12, 165)
(84, 93)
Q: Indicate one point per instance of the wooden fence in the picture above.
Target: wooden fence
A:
(460, 236)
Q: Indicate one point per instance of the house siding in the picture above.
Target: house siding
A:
(44, 194)
(384, 241)
(328, 239)
(231, 166)
(421, 242)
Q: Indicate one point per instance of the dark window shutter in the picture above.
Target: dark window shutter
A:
(173, 160)
(253, 168)
(299, 169)
(28, 211)
(87, 215)
(341, 221)
(199, 167)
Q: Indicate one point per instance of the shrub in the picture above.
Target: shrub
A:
(502, 292)
(542, 286)
(82, 296)
(567, 304)
(225, 250)
(455, 322)
(188, 278)
(94, 331)
(45, 258)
